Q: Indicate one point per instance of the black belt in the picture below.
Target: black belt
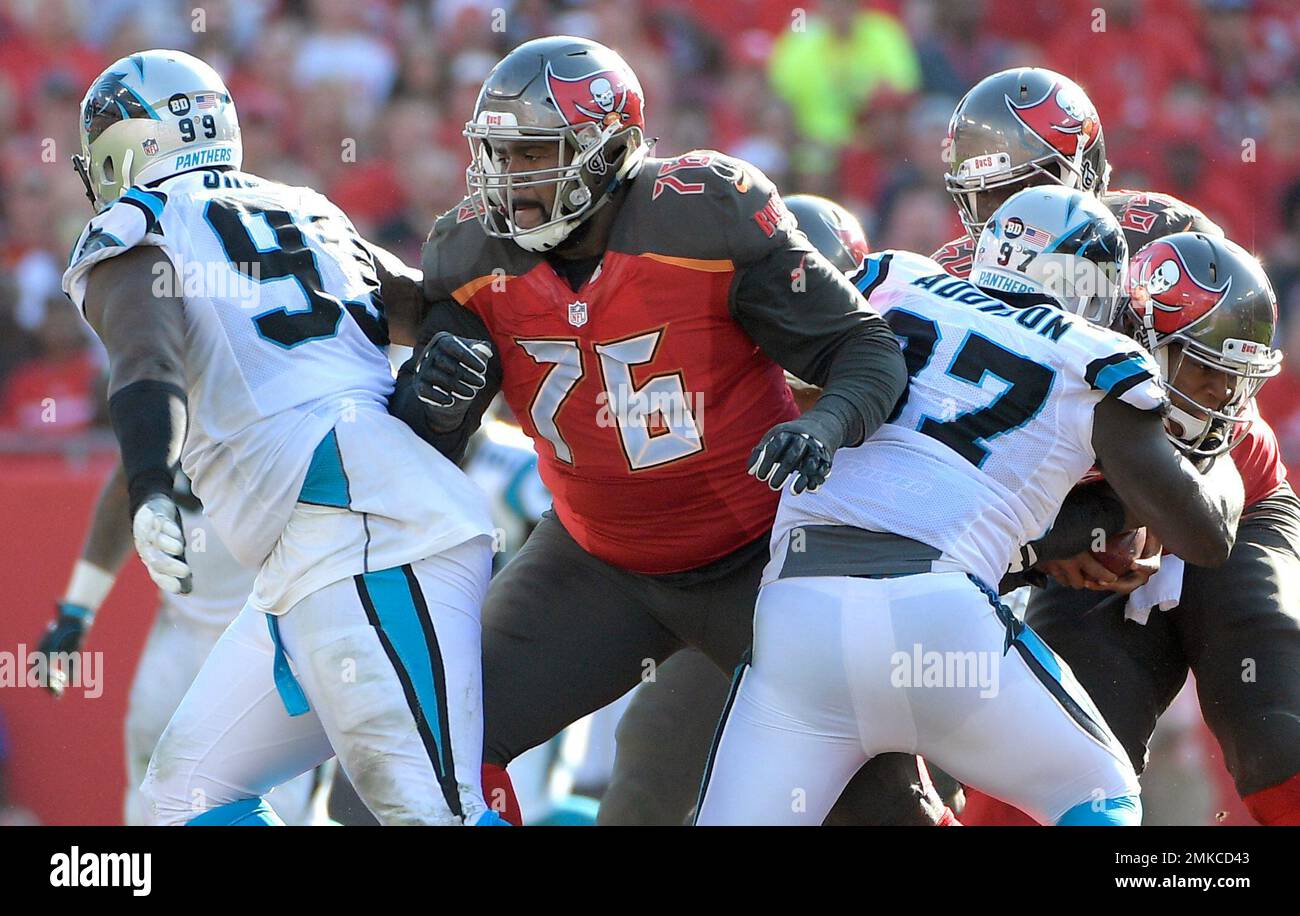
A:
(841, 550)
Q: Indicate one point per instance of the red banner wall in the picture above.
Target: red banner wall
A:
(65, 757)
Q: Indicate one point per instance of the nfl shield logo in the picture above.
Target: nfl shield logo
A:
(150, 147)
(577, 314)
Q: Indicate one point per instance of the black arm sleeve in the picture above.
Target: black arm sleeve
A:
(809, 319)
(1087, 509)
(446, 315)
(149, 419)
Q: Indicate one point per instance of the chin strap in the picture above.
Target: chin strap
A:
(81, 165)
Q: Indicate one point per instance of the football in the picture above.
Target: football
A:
(1121, 550)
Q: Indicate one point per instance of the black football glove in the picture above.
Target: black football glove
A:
(450, 372)
(65, 634)
(802, 448)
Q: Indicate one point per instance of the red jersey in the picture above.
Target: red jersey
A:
(641, 392)
(1259, 460)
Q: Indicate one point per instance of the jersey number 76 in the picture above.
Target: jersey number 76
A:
(655, 422)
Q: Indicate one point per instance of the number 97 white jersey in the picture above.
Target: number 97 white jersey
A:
(284, 343)
(995, 427)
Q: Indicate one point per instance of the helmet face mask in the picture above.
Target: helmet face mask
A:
(580, 163)
(571, 92)
(1017, 129)
(1204, 304)
(977, 199)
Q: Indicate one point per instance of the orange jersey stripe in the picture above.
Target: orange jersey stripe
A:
(715, 267)
(465, 292)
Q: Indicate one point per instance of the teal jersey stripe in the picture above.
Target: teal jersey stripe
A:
(1111, 376)
(150, 201)
(326, 483)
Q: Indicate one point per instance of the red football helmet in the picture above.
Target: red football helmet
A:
(575, 93)
(1021, 127)
(1200, 297)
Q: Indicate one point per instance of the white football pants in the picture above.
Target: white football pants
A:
(389, 663)
(846, 668)
(172, 657)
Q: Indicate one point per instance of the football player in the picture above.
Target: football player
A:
(895, 559)
(664, 735)
(184, 631)
(640, 312)
(251, 316)
(1255, 723)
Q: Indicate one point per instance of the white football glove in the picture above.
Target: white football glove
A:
(161, 544)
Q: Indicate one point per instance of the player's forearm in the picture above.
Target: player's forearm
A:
(867, 373)
(107, 543)
(144, 334)
(109, 540)
(402, 289)
(1194, 515)
(811, 321)
(1088, 509)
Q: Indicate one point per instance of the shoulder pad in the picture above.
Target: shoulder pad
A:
(704, 204)
(1146, 216)
(1128, 372)
(956, 257)
(134, 219)
(459, 253)
(883, 271)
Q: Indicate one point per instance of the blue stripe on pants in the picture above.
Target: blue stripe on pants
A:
(396, 609)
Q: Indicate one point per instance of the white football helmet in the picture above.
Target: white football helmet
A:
(1058, 242)
(152, 115)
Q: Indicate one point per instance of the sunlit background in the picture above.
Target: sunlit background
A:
(364, 100)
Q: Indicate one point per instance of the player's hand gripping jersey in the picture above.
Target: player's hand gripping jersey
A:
(645, 390)
(286, 344)
(994, 430)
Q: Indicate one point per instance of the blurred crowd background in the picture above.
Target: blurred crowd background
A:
(365, 101)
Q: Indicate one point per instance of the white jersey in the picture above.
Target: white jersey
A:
(995, 428)
(221, 584)
(287, 369)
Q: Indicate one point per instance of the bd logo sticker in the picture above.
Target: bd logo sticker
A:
(1014, 228)
(179, 104)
